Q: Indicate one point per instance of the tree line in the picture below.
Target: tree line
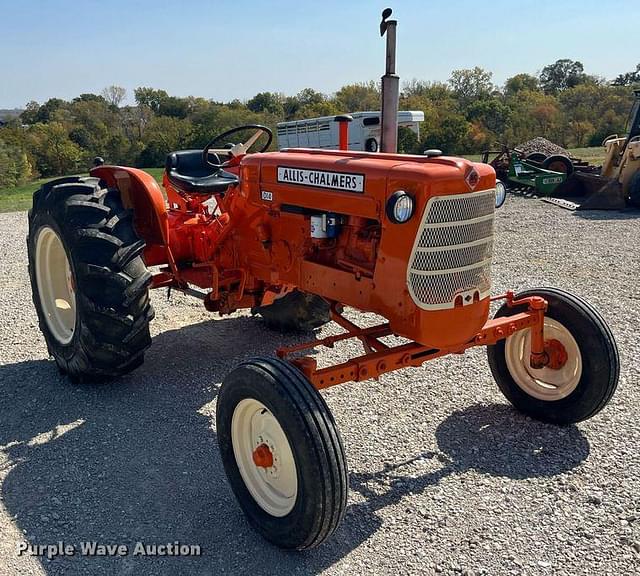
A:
(464, 115)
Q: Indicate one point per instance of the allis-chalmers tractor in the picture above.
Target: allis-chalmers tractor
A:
(295, 236)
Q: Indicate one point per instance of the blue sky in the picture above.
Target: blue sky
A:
(224, 49)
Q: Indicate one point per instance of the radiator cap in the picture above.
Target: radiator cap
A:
(432, 153)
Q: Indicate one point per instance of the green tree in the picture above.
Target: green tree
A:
(88, 97)
(591, 110)
(563, 74)
(30, 114)
(461, 116)
(431, 91)
(150, 97)
(15, 167)
(532, 113)
(269, 102)
(163, 135)
(304, 100)
(520, 82)
(629, 78)
(55, 153)
(490, 113)
(114, 95)
(325, 108)
(450, 136)
(358, 97)
(471, 84)
(408, 142)
(92, 122)
(580, 130)
(174, 107)
(42, 113)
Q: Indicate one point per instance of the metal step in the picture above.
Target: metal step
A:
(567, 204)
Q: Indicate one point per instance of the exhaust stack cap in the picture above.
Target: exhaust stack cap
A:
(383, 25)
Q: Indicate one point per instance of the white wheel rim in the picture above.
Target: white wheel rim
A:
(274, 488)
(55, 285)
(545, 383)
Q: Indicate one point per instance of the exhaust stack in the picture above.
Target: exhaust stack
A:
(390, 88)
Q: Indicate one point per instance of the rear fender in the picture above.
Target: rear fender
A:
(140, 192)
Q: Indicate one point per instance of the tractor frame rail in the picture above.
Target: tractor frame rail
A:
(380, 358)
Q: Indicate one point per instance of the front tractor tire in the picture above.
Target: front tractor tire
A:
(584, 371)
(282, 453)
(89, 283)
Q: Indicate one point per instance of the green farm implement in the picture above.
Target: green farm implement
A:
(525, 173)
(571, 183)
(517, 172)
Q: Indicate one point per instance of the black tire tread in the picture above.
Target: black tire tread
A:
(296, 311)
(112, 282)
(337, 486)
(329, 451)
(589, 313)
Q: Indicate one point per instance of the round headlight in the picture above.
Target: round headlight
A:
(400, 207)
(501, 193)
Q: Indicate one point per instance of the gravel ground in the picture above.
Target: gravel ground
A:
(542, 145)
(445, 477)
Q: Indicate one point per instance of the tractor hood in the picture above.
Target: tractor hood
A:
(321, 179)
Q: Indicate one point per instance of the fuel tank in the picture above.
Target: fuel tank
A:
(429, 275)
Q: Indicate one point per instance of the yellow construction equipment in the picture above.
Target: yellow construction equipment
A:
(617, 186)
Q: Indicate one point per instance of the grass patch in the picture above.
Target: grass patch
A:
(156, 173)
(593, 155)
(18, 198)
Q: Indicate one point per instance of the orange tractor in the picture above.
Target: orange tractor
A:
(295, 236)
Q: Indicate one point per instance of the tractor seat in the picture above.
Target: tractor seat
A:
(187, 171)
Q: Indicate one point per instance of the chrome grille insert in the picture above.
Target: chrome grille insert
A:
(452, 252)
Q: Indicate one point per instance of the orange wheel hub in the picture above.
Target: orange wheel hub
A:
(556, 353)
(262, 456)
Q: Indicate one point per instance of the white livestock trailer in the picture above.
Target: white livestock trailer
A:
(322, 132)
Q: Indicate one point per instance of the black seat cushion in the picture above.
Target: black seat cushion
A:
(188, 171)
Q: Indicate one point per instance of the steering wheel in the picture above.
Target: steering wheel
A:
(236, 150)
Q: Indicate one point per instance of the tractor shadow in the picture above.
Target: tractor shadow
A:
(628, 214)
(137, 460)
(491, 439)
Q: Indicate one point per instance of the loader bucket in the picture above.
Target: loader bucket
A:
(591, 192)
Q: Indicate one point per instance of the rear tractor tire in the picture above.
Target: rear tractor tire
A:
(89, 283)
(296, 311)
(282, 453)
(586, 370)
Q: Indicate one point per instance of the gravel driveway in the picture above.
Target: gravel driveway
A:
(445, 477)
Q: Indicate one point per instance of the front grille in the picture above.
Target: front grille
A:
(452, 252)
